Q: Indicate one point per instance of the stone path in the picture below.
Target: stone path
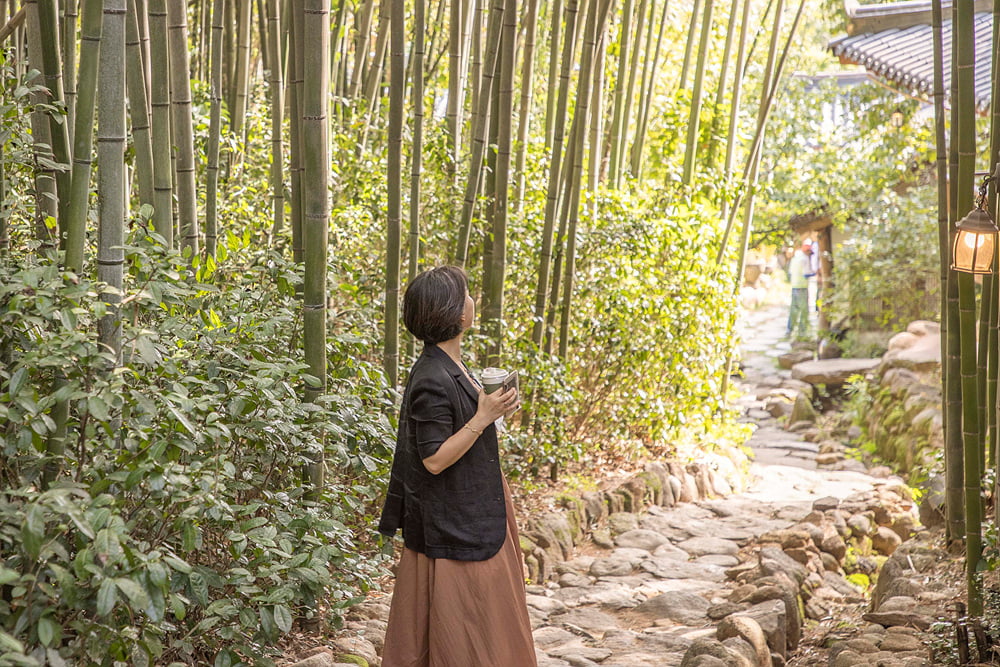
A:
(653, 596)
(660, 588)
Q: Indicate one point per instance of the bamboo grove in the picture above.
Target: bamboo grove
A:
(590, 75)
(206, 221)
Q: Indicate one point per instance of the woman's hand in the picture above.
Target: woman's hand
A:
(495, 405)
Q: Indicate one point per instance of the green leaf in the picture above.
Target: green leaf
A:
(47, 630)
(199, 588)
(97, 407)
(8, 576)
(17, 381)
(177, 607)
(177, 564)
(224, 659)
(33, 531)
(283, 618)
(107, 596)
(9, 643)
(267, 623)
(134, 591)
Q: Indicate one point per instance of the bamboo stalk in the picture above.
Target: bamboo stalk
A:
(315, 204)
(646, 98)
(214, 127)
(416, 153)
(617, 120)
(46, 191)
(52, 70)
(183, 126)
(79, 196)
(596, 17)
(15, 22)
(142, 142)
(479, 139)
(493, 315)
(159, 98)
(720, 89)
(963, 35)
(704, 45)
(524, 114)
(277, 94)
(69, 64)
(555, 168)
(394, 175)
(954, 453)
(110, 174)
(555, 32)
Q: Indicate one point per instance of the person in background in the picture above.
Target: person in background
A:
(459, 597)
(799, 272)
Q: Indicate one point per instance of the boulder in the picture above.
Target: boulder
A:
(679, 606)
(802, 411)
(832, 372)
(750, 631)
(917, 349)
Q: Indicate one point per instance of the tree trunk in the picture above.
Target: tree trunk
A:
(704, 46)
(183, 134)
(163, 220)
(315, 204)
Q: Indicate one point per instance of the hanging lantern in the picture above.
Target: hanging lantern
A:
(975, 239)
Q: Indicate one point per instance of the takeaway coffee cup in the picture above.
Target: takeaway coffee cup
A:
(493, 378)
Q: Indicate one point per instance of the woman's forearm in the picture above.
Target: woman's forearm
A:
(456, 446)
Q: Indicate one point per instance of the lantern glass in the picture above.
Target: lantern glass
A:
(973, 251)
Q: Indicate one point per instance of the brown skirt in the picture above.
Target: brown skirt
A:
(451, 613)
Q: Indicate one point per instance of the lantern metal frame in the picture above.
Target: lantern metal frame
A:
(979, 228)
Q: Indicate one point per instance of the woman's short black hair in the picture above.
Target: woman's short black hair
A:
(434, 304)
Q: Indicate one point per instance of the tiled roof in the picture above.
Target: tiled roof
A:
(903, 55)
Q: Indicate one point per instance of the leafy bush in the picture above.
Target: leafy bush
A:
(180, 530)
(887, 273)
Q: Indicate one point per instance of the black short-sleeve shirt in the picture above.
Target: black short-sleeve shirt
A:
(459, 513)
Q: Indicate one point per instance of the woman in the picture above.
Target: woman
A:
(459, 597)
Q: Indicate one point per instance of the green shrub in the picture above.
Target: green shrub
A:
(179, 529)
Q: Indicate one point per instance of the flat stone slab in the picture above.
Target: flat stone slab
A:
(832, 371)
